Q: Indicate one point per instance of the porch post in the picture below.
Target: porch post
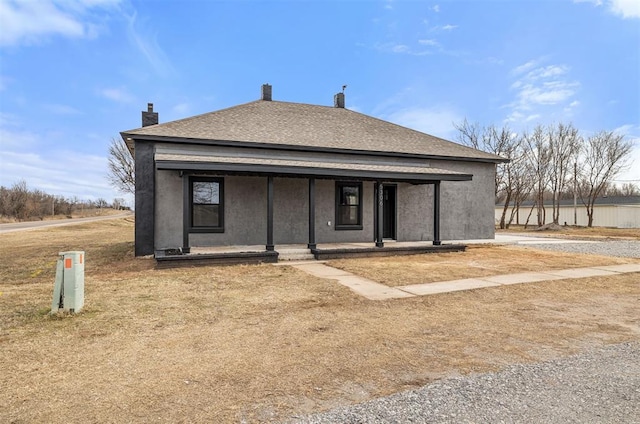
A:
(312, 213)
(436, 214)
(270, 213)
(186, 211)
(379, 221)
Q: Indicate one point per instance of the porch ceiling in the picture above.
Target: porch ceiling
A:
(304, 168)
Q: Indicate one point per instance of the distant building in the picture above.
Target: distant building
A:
(615, 212)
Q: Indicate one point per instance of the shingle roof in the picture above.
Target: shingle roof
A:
(307, 126)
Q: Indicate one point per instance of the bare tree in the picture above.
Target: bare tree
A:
(605, 155)
(538, 156)
(121, 173)
(522, 181)
(481, 138)
(564, 146)
(629, 189)
(502, 142)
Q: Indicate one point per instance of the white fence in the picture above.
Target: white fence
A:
(617, 216)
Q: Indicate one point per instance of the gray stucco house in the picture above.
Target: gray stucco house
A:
(271, 173)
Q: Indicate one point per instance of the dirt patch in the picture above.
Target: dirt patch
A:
(260, 343)
(477, 261)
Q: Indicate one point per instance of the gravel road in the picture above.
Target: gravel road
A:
(599, 386)
(619, 248)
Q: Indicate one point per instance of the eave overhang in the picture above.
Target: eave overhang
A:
(305, 169)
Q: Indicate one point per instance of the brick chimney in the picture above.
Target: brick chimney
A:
(266, 92)
(149, 117)
(338, 100)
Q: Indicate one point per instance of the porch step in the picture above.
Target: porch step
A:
(295, 255)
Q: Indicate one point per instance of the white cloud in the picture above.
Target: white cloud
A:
(12, 133)
(447, 27)
(548, 93)
(59, 109)
(632, 173)
(436, 8)
(537, 88)
(119, 95)
(146, 41)
(65, 173)
(525, 67)
(436, 121)
(626, 8)
(429, 42)
(548, 71)
(400, 49)
(39, 160)
(28, 22)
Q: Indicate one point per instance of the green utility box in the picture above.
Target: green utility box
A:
(68, 290)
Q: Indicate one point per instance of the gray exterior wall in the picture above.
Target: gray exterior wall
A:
(326, 212)
(415, 212)
(168, 227)
(145, 191)
(290, 211)
(466, 208)
(245, 214)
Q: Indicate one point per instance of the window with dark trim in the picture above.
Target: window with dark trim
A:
(206, 196)
(348, 205)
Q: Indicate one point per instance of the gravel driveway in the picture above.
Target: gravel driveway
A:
(598, 386)
(619, 248)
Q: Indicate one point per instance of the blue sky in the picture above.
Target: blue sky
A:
(73, 74)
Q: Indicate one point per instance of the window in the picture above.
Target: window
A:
(207, 205)
(348, 206)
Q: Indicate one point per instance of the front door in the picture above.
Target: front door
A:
(389, 212)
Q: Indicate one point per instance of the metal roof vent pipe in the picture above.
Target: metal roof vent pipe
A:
(338, 100)
(149, 117)
(266, 92)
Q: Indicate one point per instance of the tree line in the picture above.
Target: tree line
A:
(18, 202)
(550, 163)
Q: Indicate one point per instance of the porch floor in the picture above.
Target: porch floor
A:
(245, 254)
(319, 246)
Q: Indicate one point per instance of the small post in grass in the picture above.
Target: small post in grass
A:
(68, 289)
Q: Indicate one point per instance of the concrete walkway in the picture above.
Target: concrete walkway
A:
(376, 291)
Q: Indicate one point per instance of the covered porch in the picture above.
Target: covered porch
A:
(380, 176)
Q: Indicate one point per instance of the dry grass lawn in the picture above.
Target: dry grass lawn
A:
(260, 343)
(477, 261)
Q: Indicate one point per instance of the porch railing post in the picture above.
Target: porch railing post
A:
(312, 213)
(270, 213)
(436, 214)
(379, 218)
(186, 213)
